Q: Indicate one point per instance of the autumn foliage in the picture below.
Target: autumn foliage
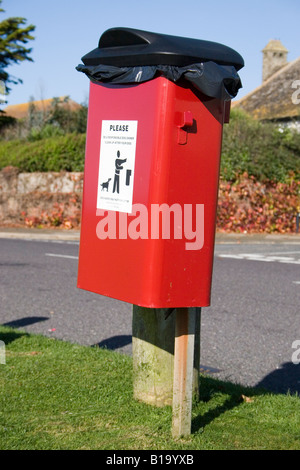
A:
(63, 215)
(245, 206)
(249, 206)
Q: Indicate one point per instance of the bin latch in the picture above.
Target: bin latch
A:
(186, 122)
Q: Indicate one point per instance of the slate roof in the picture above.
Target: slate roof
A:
(273, 98)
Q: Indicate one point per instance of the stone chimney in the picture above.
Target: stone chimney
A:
(274, 58)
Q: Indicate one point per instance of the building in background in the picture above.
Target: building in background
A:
(278, 97)
(22, 110)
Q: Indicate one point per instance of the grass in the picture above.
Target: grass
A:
(56, 395)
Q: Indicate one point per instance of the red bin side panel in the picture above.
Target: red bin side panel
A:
(155, 247)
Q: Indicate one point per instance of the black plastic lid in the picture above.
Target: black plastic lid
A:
(126, 47)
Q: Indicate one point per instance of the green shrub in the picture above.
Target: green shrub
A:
(49, 130)
(59, 153)
(262, 150)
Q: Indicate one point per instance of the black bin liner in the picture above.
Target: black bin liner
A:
(130, 56)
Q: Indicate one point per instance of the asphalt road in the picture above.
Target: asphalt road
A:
(247, 333)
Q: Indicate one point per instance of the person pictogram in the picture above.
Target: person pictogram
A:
(118, 167)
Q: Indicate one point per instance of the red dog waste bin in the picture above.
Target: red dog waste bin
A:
(152, 168)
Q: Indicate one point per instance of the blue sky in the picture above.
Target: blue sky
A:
(68, 29)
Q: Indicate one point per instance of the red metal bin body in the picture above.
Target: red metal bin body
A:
(154, 247)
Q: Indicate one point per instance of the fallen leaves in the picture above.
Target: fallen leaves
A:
(251, 206)
(246, 399)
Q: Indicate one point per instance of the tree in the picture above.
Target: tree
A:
(14, 37)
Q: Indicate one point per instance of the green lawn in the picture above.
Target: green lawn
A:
(57, 395)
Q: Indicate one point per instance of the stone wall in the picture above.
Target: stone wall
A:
(51, 198)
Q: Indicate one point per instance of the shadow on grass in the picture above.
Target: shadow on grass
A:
(224, 396)
(12, 333)
(210, 388)
(10, 336)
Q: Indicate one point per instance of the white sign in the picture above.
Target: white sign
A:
(116, 166)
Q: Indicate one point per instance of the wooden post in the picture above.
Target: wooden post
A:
(197, 354)
(153, 339)
(153, 355)
(185, 329)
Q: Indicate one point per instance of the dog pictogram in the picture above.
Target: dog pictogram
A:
(105, 185)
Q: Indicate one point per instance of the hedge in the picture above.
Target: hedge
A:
(262, 150)
(267, 151)
(52, 154)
